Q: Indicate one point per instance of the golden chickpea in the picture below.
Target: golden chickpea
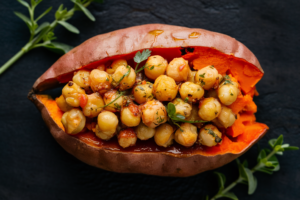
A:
(127, 138)
(155, 66)
(100, 81)
(210, 136)
(81, 78)
(191, 91)
(228, 92)
(209, 109)
(153, 113)
(178, 69)
(194, 116)
(144, 132)
(93, 106)
(101, 67)
(72, 93)
(115, 64)
(207, 77)
(62, 104)
(124, 78)
(182, 107)
(165, 88)
(143, 92)
(73, 121)
(191, 76)
(130, 115)
(226, 117)
(164, 135)
(107, 125)
(187, 135)
(111, 96)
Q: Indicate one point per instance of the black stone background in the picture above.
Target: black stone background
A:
(34, 166)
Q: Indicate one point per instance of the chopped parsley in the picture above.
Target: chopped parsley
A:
(212, 133)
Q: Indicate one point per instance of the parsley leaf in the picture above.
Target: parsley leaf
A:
(140, 57)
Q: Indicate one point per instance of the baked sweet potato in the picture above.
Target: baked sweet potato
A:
(200, 48)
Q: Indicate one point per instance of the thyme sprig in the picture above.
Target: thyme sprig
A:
(267, 162)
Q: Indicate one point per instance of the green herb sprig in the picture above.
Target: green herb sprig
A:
(227, 80)
(140, 57)
(121, 94)
(267, 162)
(116, 83)
(175, 118)
(42, 35)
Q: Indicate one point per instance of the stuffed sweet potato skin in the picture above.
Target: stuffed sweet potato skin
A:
(123, 42)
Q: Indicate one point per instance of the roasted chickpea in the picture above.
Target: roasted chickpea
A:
(73, 121)
(62, 104)
(155, 66)
(93, 106)
(130, 115)
(101, 67)
(194, 116)
(164, 135)
(107, 125)
(187, 135)
(115, 65)
(228, 91)
(191, 91)
(210, 136)
(127, 138)
(165, 88)
(81, 78)
(182, 107)
(144, 132)
(100, 81)
(124, 80)
(72, 93)
(207, 77)
(111, 96)
(153, 113)
(209, 109)
(178, 69)
(191, 76)
(143, 92)
(226, 117)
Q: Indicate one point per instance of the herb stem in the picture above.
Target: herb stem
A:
(121, 94)
(227, 189)
(12, 60)
(260, 164)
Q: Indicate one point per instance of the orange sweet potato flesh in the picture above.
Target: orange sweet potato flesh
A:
(209, 48)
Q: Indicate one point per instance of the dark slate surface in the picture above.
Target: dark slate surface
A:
(34, 166)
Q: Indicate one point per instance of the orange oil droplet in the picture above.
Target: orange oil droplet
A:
(194, 35)
(177, 39)
(156, 32)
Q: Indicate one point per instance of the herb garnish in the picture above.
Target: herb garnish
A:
(267, 162)
(116, 83)
(212, 133)
(227, 80)
(140, 57)
(202, 75)
(186, 100)
(121, 94)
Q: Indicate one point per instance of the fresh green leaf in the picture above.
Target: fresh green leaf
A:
(291, 148)
(221, 181)
(58, 47)
(274, 142)
(24, 18)
(61, 12)
(265, 170)
(262, 154)
(230, 195)
(140, 57)
(34, 3)
(171, 109)
(179, 116)
(69, 27)
(49, 36)
(44, 13)
(245, 163)
(41, 27)
(84, 10)
(24, 3)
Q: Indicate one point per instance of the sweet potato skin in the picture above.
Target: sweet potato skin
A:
(123, 42)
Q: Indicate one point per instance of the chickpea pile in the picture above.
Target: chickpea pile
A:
(115, 101)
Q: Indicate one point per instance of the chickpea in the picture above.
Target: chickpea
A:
(111, 96)
(100, 81)
(191, 76)
(120, 77)
(153, 113)
(107, 125)
(143, 92)
(115, 64)
(93, 106)
(187, 135)
(155, 66)
(209, 109)
(73, 121)
(194, 116)
(211, 93)
(207, 77)
(81, 78)
(178, 69)
(165, 88)
(226, 117)
(191, 91)
(228, 92)
(62, 104)
(127, 138)
(144, 132)
(130, 115)
(164, 135)
(182, 108)
(210, 136)
(72, 93)
(101, 67)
